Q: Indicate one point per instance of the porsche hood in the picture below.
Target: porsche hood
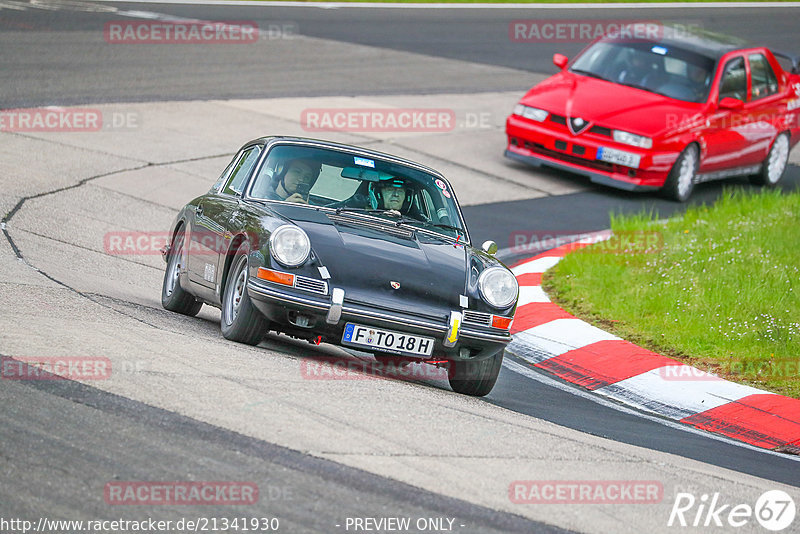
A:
(386, 265)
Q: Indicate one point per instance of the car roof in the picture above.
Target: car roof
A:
(705, 42)
(349, 148)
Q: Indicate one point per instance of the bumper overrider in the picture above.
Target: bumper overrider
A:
(539, 144)
(314, 315)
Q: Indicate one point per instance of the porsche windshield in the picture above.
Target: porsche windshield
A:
(666, 70)
(347, 182)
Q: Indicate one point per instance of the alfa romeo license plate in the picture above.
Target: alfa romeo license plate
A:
(620, 157)
(387, 340)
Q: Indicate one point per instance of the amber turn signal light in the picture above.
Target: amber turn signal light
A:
(276, 276)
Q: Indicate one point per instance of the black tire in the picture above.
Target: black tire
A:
(240, 320)
(680, 181)
(774, 166)
(173, 296)
(475, 378)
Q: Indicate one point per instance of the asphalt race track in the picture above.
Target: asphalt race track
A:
(182, 403)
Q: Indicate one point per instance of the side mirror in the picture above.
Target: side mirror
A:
(733, 104)
(560, 61)
(489, 247)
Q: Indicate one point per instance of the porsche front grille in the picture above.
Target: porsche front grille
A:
(311, 284)
(479, 318)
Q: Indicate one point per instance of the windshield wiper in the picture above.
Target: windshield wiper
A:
(458, 230)
(642, 87)
(410, 220)
(346, 209)
(590, 74)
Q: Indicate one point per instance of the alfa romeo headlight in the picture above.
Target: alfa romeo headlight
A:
(498, 287)
(628, 138)
(528, 112)
(289, 245)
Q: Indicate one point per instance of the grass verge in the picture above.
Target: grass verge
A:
(716, 288)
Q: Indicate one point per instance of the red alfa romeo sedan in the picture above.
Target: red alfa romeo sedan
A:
(663, 113)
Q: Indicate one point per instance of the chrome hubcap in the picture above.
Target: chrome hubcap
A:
(777, 159)
(236, 294)
(174, 267)
(686, 172)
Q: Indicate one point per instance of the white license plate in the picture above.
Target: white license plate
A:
(620, 157)
(387, 340)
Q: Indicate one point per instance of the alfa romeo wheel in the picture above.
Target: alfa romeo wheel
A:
(773, 167)
(680, 181)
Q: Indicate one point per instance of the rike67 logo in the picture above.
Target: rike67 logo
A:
(774, 510)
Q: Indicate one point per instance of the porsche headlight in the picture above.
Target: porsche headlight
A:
(628, 138)
(528, 112)
(498, 287)
(289, 245)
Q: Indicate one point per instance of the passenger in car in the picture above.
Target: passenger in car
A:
(699, 78)
(292, 182)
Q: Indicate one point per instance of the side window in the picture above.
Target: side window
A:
(734, 80)
(224, 176)
(763, 81)
(242, 170)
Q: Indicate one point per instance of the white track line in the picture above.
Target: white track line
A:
(546, 380)
(654, 391)
(531, 294)
(561, 335)
(536, 266)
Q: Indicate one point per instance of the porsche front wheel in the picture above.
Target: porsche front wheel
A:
(680, 181)
(173, 296)
(241, 321)
(476, 378)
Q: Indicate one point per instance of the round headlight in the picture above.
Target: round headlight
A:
(289, 245)
(498, 287)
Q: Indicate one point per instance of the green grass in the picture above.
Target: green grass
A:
(720, 294)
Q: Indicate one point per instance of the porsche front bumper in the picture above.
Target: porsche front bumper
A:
(326, 316)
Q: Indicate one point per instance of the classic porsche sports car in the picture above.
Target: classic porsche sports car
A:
(663, 112)
(334, 243)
